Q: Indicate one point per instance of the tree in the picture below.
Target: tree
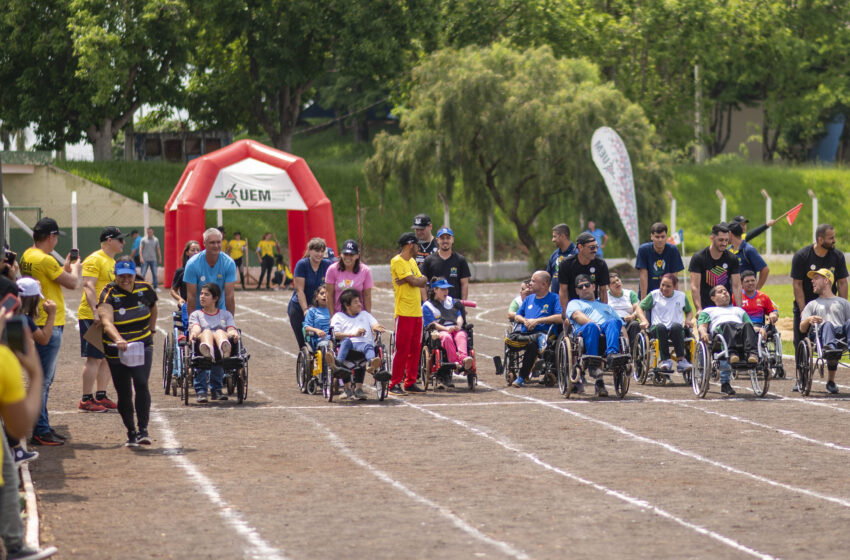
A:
(514, 128)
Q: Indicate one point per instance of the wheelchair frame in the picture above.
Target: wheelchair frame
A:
(808, 358)
(432, 359)
(705, 366)
(235, 368)
(331, 376)
(172, 357)
(572, 364)
(545, 367)
(646, 362)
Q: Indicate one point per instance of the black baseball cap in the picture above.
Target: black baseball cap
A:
(421, 221)
(585, 238)
(407, 238)
(111, 232)
(740, 219)
(48, 226)
(350, 247)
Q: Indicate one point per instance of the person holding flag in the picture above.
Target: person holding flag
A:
(749, 235)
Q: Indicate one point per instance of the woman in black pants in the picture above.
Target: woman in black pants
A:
(134, 303)
(308, 275)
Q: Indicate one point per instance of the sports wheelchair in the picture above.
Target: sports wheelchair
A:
(646, 357)
(313, 362)
(573, 364)
(433, 364)
(811, 356)
(545, 368)
(773, 348)
(706, 366)
(235, 367)
(173, 356)
(336, 373)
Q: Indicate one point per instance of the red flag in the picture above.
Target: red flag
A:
(792, 214)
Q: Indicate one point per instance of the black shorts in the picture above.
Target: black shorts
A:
(238, 262)
(87, 349)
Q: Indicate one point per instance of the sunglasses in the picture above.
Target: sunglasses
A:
(583, 286)
(592, 247)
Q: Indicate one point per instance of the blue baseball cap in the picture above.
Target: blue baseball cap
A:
(442, 283)
(125, 267)
(445, 231)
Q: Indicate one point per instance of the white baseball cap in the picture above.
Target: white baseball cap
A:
(29, 287)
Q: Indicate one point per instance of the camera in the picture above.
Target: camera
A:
(13, 335)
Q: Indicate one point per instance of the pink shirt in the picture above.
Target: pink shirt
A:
(342, 280)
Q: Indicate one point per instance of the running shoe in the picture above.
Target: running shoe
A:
(91, 406)
(360, 395)
(218, 396)
(224, 348)
(519, 382)
(202, 398)
(831, 387)
(601, 391)
(132, 440)
(143, 438)
(726, 389)
(397, 390)
(106, 403)
(27, 553)
(666, 365)
(46, 439)
(414, 389)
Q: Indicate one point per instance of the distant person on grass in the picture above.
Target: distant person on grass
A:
(236, 250)
(266, 249)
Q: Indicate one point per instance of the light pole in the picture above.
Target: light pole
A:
(673, 229)
(768, 211)
(722, 205)
(814, 216)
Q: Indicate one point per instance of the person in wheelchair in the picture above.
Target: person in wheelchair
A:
(538, 311)
(832, 313)
(212, 328)
(590, 318)
(668, 306)
(736, 328)
(350, 327)
(444, 314)
(625, 303)
(758, 305)
(317, 320)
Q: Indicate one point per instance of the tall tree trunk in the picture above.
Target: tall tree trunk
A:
(129, 142)
(361, 128)
(340, 122)
(101, 140)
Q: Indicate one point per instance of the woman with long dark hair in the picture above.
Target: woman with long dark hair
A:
(308, 275)
(178, 288)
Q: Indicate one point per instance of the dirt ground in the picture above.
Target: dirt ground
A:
(502, 472)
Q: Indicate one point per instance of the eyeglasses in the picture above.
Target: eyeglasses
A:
(583, 286)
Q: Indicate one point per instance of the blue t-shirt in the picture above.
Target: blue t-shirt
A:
(533, 307)
(555, 264)
(658, 265)
(318, 318)
(598, 234)
(312, 279)
(199, 272)
(748, 258)
(137, 243)
(597, 311)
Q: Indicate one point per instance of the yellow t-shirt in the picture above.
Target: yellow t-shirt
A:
(408, 300)
(236, 246)
(11, 383)
(101, 266)
(224, 246)
(45, 269)
(266, 247)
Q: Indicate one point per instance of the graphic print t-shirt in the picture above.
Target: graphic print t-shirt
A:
(713, 272)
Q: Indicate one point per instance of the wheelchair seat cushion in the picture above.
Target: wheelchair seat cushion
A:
(520, 340)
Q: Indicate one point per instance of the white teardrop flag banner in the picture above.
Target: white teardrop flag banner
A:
(612, 159)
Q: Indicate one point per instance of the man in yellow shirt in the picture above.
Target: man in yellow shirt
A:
(237, 248)
(408, 316)
(98, 271)
(266, 248)
(40, 264)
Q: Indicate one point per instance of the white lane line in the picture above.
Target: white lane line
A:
(456, 520)
(261, 313)
(278, 348)
(782, 431)
(636, 502)
(258, 548)
(689, 454)
(805, 400)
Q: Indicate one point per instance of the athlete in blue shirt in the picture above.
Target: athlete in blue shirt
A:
(538, 312)
(656, 258)
(563, 249)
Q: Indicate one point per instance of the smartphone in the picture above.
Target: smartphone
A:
(9, 303)
(13, 336)
(74, 255)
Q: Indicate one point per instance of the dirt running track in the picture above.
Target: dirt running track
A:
(501, 473)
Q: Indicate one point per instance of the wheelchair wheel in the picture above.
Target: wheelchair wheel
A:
(187, 377)
(312, 385)
(571, 369)
(303, 369)
(563, 365)
(241, 384)
(391, 353)
(700, 379)
(230, 382)
(328, 380)
(472, 381)
(760, 378)
(511, 367)
(805, 367)
(425, 366)
(640, 360)
(622, 379)
(167, 361)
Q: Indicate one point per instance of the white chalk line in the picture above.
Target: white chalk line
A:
(636, 502)
(259, 548)
(456, 520)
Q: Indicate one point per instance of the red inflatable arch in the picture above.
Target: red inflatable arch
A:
(246, 175)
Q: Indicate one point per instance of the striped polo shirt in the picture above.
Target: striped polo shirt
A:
(131, 314)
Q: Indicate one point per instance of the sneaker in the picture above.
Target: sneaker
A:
(201, 398)
(414, 389)
(795, 388)
(519, 382)
(57, 434)
(346, 394)
(374, 364)
(578, 388)
(218, 396)
(27, 553)
(752, 358)
(224, 348)
(397, 390)
(601, 391)
(831, 387)
(440, 384)
(468, 363)
(106, 403)
(666, 365)
(143, 438)
(734, 359)
(91, 406)
(23, 456)
(726, 389)
(360, 395)
(132, 440)
(205, 350)
(46, 439)
(683, 365)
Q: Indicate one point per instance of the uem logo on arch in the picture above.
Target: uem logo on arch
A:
(234, 195)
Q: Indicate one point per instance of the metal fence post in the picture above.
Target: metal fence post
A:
(768, 212)
(814, 216)
(722, 205)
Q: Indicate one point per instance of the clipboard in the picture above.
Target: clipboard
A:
(94, 336)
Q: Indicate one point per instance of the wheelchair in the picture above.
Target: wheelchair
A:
(172, 356)
(312, 365)
(433, 366)
(235, 367)
(773, 348)
(810, 357)
(545, 369)
(706, 366)
(573, 364)
(337, 373)
(646, 358)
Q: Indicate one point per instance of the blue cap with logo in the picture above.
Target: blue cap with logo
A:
(125, 267)
(441, 283)
(445, 231)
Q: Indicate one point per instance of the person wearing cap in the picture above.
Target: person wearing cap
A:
(714, 266)
(832, 313)
(750, 234)
(448, 264)
(563, 249)
(308, 275)
(747, 255)
(822, 254)
(127, 309)
(38, 263)
(151, 255)
(427, 244)
(349, 273)
(655, 258)
(584, 262)
(407, 281)
(444, 314)
(98, 271)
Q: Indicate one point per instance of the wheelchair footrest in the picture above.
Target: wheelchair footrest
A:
(591, 361)
(232, 362)
(342, 373)
(618, 360)
(200, 362)
(382, 375)
(446, 370)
